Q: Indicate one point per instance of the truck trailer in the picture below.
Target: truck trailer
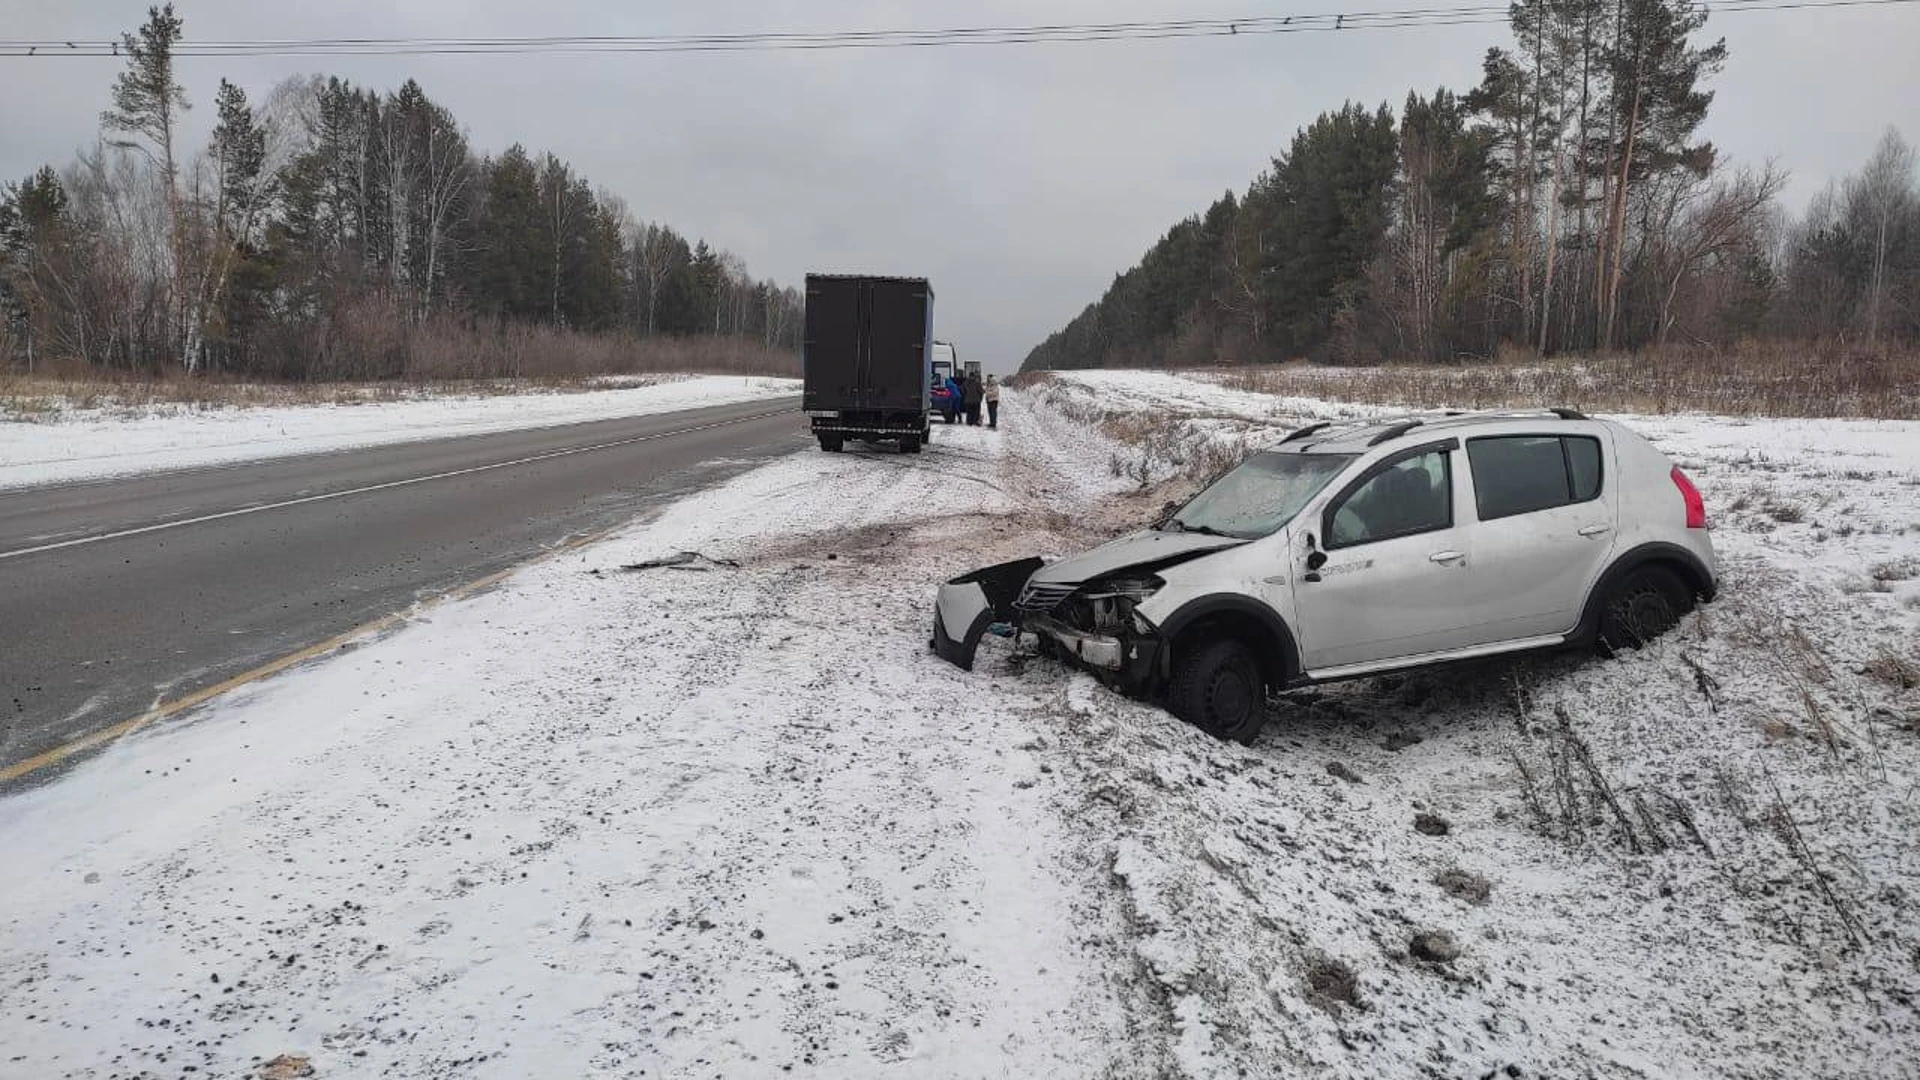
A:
(867, 359)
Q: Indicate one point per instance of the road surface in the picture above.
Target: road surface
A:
(118, 595)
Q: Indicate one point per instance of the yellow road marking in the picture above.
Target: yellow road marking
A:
(272, 667)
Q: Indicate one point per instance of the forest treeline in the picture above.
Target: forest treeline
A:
(332, 231)
(1565, 204)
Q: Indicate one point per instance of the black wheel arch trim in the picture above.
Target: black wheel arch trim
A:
(1207, 607)
(1702, 581)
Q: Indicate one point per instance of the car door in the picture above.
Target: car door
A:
(1544, 513)
(1394, 576)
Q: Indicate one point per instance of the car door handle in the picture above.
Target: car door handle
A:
(1447, 556)
(1596, 530)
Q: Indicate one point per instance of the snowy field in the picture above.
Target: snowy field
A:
(729, 818)
(87, 444)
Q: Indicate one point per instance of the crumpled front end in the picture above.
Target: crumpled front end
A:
(1094, 625)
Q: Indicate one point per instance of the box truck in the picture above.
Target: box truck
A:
(867, 359)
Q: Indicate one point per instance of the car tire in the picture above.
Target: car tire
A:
(832, 444)
(910, 445)
(1218, 688)
(1648, 602)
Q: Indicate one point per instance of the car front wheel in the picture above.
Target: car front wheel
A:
(1647, 603)
(1218, 689)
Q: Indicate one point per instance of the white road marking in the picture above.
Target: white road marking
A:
(389, 485)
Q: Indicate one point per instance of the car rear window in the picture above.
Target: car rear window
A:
(1523, 474)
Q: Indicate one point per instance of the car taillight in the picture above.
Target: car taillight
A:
(1696, 506)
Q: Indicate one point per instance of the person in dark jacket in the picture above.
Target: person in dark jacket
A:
(974, 393)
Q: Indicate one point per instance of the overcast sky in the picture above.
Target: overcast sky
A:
(1020, 179)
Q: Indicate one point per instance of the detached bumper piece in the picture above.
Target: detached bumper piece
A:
(970, 604)
(1094, 650)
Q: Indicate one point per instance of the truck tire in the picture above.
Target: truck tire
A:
(1218, 688)
(832, 444)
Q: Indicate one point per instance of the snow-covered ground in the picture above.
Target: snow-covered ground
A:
(729, 818)
(79, 444)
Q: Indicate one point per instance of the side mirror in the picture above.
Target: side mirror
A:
(1316, 559)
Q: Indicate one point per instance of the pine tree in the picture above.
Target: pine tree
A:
(242, 190)
(1657, 104)
(33, 219)
(147, 103)
(1326, 204)
(516, 281)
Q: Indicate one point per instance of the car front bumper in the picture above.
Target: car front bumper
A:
(969, 607)
(1095, 650)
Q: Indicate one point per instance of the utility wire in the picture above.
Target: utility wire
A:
(1046, 34)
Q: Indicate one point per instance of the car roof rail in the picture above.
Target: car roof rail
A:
(1301, 433)
(1394, 431)
(1569, 414)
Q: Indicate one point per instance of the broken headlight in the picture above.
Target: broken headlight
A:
(1132, 590)
(1107, 607)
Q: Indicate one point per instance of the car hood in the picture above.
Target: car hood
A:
(1147, 551)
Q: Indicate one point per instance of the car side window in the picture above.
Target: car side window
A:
(1583, 465)
(1411, 495)
(1524, 474)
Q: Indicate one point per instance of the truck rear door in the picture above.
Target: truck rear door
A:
(831, 352)
(896, 372)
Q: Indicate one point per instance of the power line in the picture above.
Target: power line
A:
(1044, 34)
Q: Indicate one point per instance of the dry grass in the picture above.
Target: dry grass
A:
(1464, 885)
(525, 360)
(1331, 983)
(1764, 379)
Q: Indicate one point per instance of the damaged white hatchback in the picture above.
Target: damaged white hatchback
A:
(1363, 549)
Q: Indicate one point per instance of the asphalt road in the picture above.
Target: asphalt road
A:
(116, 595)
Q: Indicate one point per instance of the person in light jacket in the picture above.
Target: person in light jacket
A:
(992, 396)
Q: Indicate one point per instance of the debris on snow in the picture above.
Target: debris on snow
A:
(286, 1067)
(1340, 771)
(1434, 947)
(684, 560)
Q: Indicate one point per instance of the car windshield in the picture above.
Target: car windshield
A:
(1259, 495)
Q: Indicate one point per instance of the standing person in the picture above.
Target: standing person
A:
(992, 395)
(950, 402)
(974, 390)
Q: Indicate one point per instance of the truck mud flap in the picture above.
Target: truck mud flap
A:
(969, 604)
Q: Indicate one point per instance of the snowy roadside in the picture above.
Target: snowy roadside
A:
(81, 445)
(728, 817)
(715, 819)
(1750, 908)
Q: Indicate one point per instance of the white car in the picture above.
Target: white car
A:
(1357, 550)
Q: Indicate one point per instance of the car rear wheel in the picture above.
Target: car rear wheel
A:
(832, 444)
(910, 445)
(1218, 689)
(1647, 603)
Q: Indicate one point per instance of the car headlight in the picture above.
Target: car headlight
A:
(1133, 590)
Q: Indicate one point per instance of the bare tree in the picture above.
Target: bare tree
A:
(1883, 192)
(656, 253)
(1709, 222)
